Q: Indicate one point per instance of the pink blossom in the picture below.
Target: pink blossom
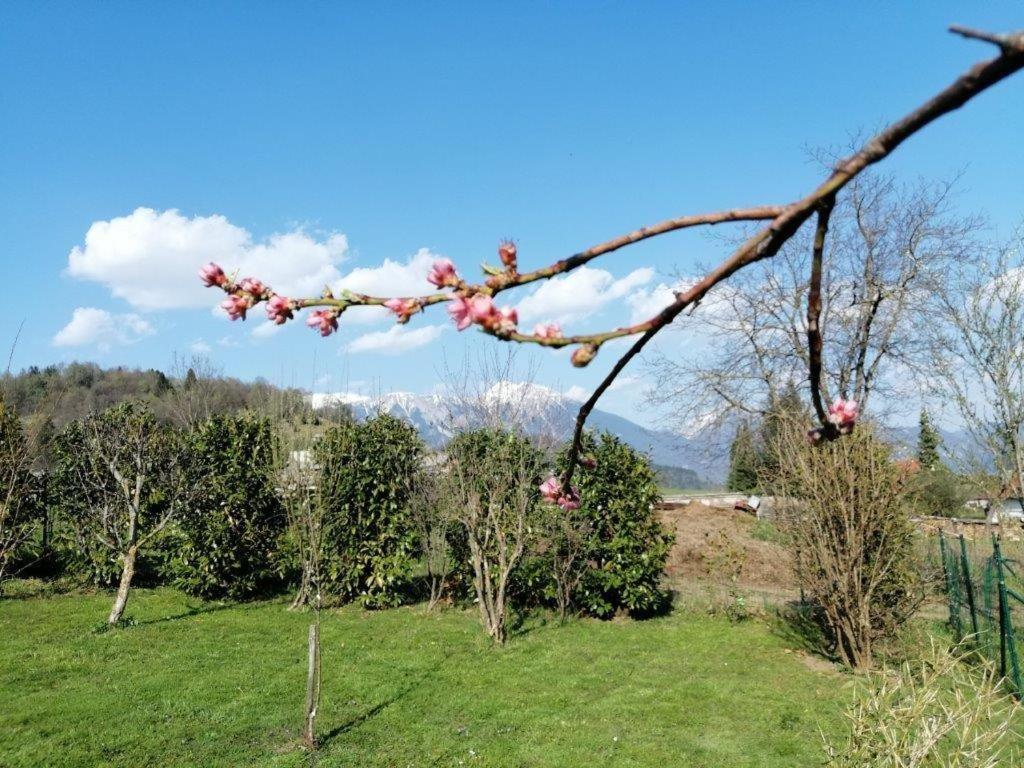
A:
(549, 331)
(507, 253)
(551, 489)
(481, 309)
(253, 286)
(443, 273)
(569, 501)
(552, 492)
(843, 413)
(279, 309)
(505, 321)
(235, 306)
(458, 310)
(403, 308)
(323, 320)
(212, 275)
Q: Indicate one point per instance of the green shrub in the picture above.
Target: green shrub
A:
(628, 546)
(229, 538)
(366, 470)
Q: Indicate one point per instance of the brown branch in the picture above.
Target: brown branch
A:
(767, 242)
(814, 339)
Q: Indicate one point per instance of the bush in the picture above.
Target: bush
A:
(229, 537)
(628, 546)
(844, 507)
(367, 472)
(91, 516)
(938, 492)
(492, 478)
(20, 492)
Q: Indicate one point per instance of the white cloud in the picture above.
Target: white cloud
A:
(200, 347)
(150, 258)
(645, 303)
(397, 339)
(391, 278)
(266, 329)
(90, 325)
(627, 382)
(579, 294)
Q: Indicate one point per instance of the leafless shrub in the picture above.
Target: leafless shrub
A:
(843, 505)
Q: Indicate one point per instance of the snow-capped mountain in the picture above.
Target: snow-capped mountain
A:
(538, 410)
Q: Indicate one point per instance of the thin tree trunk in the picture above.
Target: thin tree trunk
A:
(127, 573)
(312, 685)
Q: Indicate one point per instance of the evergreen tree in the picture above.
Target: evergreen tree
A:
(928, 443)
(743, 461)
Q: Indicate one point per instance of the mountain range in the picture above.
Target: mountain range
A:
(539, 410)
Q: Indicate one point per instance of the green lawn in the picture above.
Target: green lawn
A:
(209, 685)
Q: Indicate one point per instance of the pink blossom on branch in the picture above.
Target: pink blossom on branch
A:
(843, 413)
(548, 331)
(253, 286)
(212, 275)
(443, 274)
(481, 308)
(279, 309)
(507, 254)
(403, 308)
(551, 491)
(458, 310)
(324, 321)
(236, 306)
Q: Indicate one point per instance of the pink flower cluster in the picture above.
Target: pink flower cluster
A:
(279, 309)
(403, 308)
(236, 306)
(551, 491)
(548, 331)
(843, 413)
(443, 274)
(212, 275)
(507, 254)
(480, 309)
(325, 321)
(842, 417)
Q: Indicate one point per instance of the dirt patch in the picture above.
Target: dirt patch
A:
(714, 545)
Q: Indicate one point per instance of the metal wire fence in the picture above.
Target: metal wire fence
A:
(986, 600)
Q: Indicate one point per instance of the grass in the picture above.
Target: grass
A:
(194, 684)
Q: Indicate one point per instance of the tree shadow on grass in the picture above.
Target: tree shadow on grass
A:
(373, 711)
(799, 624)
(188, 613)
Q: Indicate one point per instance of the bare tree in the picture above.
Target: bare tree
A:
(980, 360)
(492, 480)
(127, 471)
(887, 249)
(844, 506)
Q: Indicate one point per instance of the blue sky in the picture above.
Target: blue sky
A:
(320, 139)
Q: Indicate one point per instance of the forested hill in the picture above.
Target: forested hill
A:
(58, 394)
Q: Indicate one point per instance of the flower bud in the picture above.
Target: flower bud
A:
(583, 355)
(507, 254)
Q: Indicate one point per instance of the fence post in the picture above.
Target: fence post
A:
(954, 607)
(965, 567)
(1007, 641)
